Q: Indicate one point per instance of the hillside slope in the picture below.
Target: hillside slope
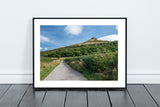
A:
(95, 59)
(89, 47)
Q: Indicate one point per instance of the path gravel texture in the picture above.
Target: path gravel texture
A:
(64, 72)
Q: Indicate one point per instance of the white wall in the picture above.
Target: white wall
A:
(16, 33)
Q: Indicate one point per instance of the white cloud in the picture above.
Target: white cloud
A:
(109, 38)
(44, 39)
(40, 48)
(117, 27)
(73, 29)
(46, 48)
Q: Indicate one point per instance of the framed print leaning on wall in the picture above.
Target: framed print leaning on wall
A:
(79, 52)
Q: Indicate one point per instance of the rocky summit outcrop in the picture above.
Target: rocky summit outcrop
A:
(93, 39)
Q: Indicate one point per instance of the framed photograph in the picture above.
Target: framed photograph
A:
(79, 52)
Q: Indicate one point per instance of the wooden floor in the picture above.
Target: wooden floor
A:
(134, 96)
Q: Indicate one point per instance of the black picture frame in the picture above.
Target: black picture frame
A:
(33, 33)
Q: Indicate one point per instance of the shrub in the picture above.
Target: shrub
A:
(97, 66)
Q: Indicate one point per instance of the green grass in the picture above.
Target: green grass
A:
(47, 59)
(47, 67)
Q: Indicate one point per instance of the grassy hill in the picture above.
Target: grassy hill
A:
(96, 59)
(86, 48)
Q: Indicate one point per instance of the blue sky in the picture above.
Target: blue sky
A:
(56, 36)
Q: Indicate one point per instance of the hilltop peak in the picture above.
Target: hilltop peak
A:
(93, 39)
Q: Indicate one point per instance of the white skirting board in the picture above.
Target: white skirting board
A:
(143, 78)
(16, 79)
(28, 78)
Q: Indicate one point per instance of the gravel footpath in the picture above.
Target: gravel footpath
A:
(64, 72)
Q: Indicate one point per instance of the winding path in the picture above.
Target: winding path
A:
(64, 72)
